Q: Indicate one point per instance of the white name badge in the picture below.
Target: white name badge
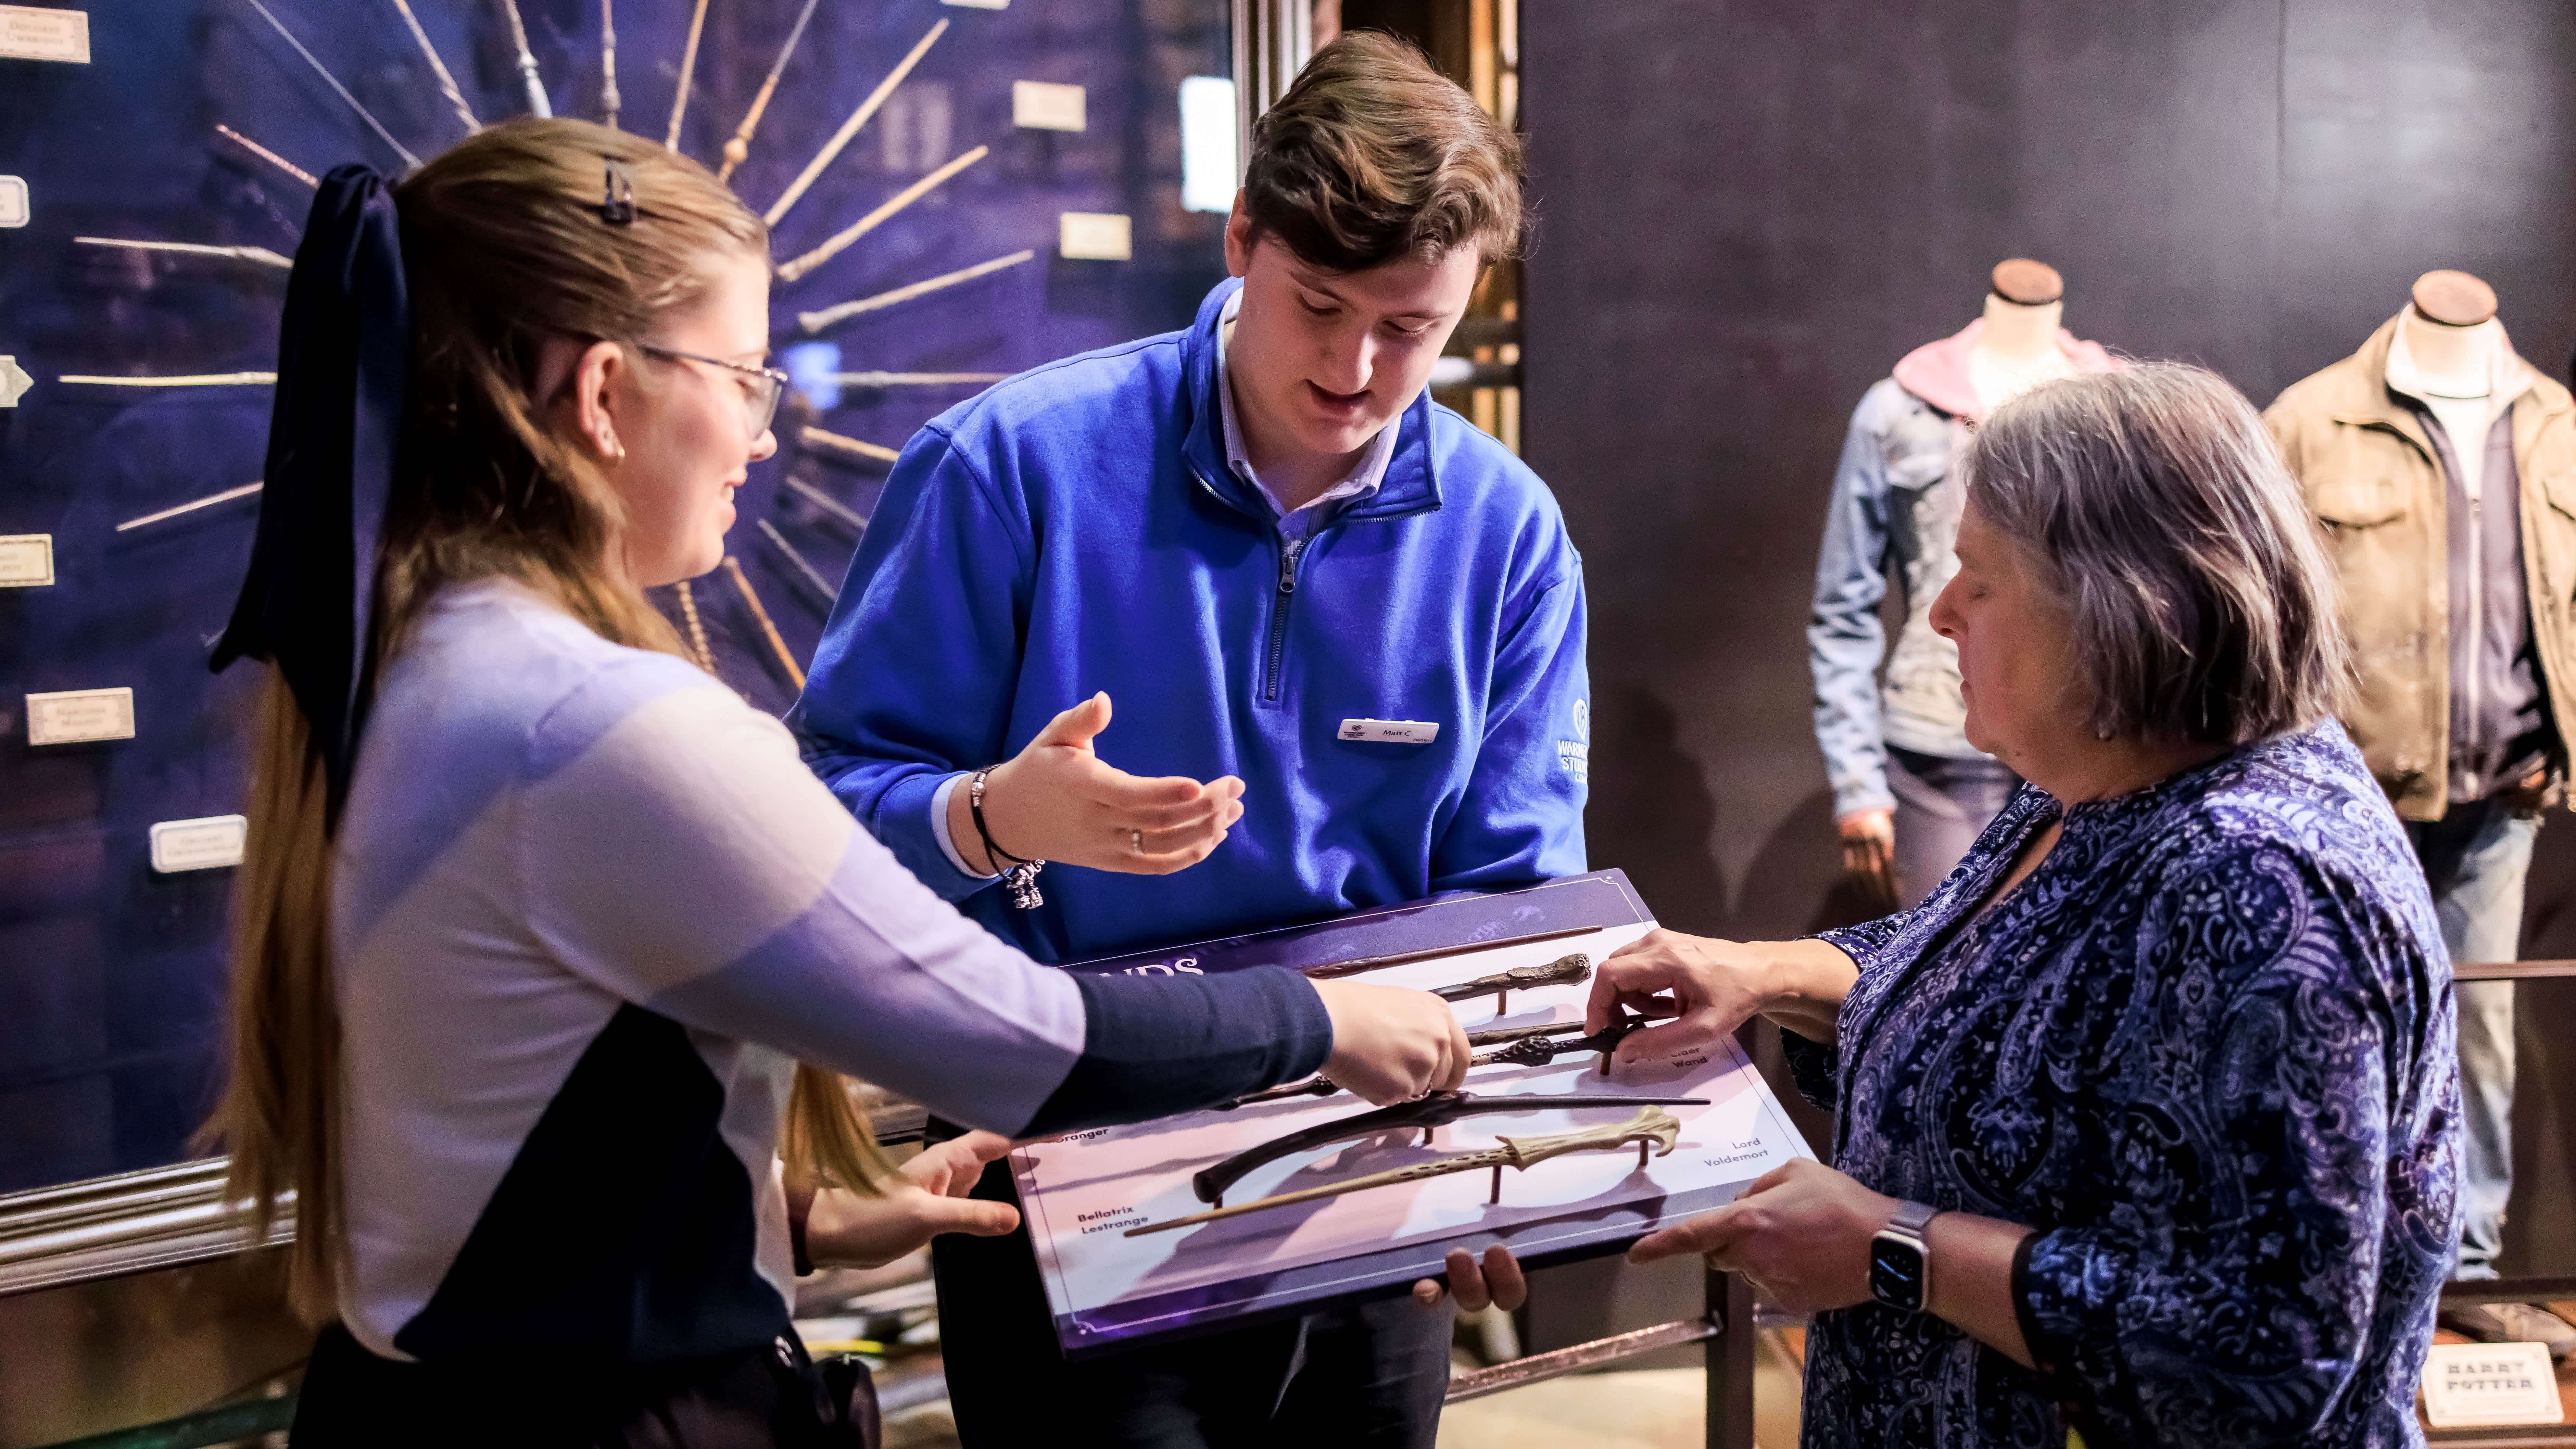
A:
(2468, 1384)
(77, 716)
(1391, 731)
(206, 844)
(26, 560)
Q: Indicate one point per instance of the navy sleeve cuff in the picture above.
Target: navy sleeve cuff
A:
(1813, 1066)
(1156, 1045)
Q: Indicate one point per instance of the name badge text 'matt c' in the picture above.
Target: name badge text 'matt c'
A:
(1391, 731)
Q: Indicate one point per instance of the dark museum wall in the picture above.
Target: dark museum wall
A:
(1749, 211)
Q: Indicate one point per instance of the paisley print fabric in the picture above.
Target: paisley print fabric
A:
(2207, 1050)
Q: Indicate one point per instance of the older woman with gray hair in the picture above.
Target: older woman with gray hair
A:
(2146, 1119)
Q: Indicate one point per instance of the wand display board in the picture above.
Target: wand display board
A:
(1094, 1200)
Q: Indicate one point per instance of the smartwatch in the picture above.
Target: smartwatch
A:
(1900, 1261)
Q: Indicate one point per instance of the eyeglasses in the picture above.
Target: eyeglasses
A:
(759, 402)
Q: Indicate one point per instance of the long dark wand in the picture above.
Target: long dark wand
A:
(1653, 1131)
(1423, 1114)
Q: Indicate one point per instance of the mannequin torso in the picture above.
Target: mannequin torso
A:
(2016, 350)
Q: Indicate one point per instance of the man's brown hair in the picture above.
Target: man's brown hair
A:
(1373, 155)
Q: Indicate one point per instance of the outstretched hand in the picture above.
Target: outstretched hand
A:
(1057, 801)
(925, 1197)
(1709, 987)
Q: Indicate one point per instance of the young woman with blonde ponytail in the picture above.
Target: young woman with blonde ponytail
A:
(548, 947)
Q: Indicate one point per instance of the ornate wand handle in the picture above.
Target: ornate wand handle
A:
(1502, 984)
(739, 148)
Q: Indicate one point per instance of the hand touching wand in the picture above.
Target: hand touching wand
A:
(1529, 1046)
(1653, 1132)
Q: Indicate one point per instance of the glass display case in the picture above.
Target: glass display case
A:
(958, 191)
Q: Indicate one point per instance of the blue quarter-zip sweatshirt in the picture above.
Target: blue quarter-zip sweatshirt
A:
(1076, 529)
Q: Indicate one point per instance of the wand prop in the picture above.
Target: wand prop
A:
(536, 84)
(261, 255)
(817, 321)
(1332, 970)
(1529, 1047)
(1564, 970)
(740, 146)
(911, 379)
(265, 154)
(790, 271)
(198, 379)
(850, 127)
(743, 582)
(688, 71)
(333, 81)
(1653, 1132)
(832, 507)
(446, 82)
(191, 506)
(607, 66)
(813, 578)
(855, 447)
(1426, 1113)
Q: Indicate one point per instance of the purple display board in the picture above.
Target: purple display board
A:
(1086, 1194)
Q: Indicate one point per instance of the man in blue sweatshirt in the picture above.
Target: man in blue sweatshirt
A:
(1344, 633)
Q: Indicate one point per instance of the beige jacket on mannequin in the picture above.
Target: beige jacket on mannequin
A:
(2371, 474)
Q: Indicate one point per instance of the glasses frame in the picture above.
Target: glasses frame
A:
(776, 379)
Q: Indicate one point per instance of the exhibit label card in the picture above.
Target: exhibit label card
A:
(77, 716)
(1046, 106)
(2482, 1384)
(204, 844)
(26, 560)
(29, 33)
(1094, 236)
(15, 208)
(1085, 1193)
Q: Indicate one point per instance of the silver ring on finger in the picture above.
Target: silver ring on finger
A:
(1136, 842)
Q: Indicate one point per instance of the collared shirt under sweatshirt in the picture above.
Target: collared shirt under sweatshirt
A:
(1077, 529)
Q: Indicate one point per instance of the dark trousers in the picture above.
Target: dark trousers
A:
(765, 1396)
(1370, 1374)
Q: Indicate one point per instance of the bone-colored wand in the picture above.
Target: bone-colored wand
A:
(737, 149)
(688, 73)
(850, 127)
(446, 82)
(817, 321)
(527, 63)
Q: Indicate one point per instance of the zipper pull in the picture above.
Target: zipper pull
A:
(1288, 566)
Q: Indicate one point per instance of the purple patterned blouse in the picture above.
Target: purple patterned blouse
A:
(2206, 1049)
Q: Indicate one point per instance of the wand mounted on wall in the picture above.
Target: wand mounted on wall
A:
(850, 127)
(261, 255)
(817, 321)
(688, 74)
(739, 148)
(409, 160)
(265, 154)
(446, 82)
(536, 84)
(607, 66)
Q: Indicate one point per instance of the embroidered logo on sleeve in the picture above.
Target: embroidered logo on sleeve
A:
(1574, 756)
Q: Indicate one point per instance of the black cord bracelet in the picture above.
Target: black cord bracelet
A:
(1019, 874)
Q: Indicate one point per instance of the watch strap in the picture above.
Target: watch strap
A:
(1912, 1218)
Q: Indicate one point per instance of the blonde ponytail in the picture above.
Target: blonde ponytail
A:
(505, 249)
